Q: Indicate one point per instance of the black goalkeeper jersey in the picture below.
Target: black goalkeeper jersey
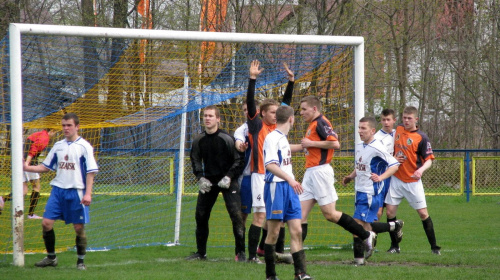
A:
(214, 156)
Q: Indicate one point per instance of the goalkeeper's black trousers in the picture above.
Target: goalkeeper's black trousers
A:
(204, 207)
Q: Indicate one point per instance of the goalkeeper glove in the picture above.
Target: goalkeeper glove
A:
(225, 182)
(204, 185)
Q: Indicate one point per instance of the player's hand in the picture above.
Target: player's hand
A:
(254, 69)
(400, 157)
(306, 143)
(417, 175)
(375, 178)
(346, 180)
(296, 186)
(204, 184)
(291, 76)
(225, 182)
(87, 199)
(242, 147)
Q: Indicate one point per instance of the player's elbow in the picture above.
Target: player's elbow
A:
(336, 145)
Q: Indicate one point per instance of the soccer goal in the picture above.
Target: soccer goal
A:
(138, 94)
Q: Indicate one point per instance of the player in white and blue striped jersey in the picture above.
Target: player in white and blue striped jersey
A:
(373, 164)
(281, 196)
(386, 136)
(73, 160)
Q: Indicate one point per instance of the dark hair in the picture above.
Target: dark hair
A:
(266, 103)
(387, 112)
(312, 101)
(283, 113)
(72, 116)
(213, 107)
(372, 122)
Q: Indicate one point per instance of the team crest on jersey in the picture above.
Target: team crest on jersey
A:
(329, 130)
(66, 157)
(429, 148)
(308, 132)
(409, 141)
(397, 137)
(359, 165)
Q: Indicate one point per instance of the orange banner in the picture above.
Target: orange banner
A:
(212, 18)
(147, 23)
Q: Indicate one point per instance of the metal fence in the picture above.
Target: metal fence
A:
(454, 172)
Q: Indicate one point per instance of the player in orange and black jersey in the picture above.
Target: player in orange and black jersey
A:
(258, 128)
(413, 150)
(318, 145)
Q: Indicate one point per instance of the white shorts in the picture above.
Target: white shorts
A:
(318, 184)
(30, 176)
(413, 192)
(258, 183)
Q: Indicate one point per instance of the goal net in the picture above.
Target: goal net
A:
(131, 95)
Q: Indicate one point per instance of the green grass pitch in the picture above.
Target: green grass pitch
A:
(467, 231)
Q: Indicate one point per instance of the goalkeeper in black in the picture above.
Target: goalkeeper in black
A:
(217, 165)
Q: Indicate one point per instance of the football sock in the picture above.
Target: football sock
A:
(253, 240)
(358, 248)
(81, 245)
(429, 231)
(304, 232)
(33, 202)
(269, 258)
(263, 239)
(299, 262)
(7, 197)
(49, 238)
(349, 224)
(392, 234)
(280, 244)
(381, 227)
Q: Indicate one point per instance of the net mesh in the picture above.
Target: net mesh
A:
(130, 111)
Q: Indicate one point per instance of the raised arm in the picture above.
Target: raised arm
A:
(287, 97)
(254, 73)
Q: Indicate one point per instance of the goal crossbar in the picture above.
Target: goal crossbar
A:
(16, 30)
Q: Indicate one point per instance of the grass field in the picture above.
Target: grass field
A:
(467, 231)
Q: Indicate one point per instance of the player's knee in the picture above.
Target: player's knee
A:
(79, 229)
(258, 219)
(423, 214)
(332, 216)
(46, 225)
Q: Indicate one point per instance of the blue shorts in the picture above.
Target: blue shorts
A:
(383, 193)
(246, 194)
(366, 207)
(282, 203)
(65, 204)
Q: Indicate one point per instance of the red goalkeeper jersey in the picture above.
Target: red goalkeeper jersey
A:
(39, 141)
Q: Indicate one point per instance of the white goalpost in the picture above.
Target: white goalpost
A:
(16, 89)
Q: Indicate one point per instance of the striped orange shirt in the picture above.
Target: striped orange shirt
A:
(416, 148)
(320, 129)
(257, 132)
